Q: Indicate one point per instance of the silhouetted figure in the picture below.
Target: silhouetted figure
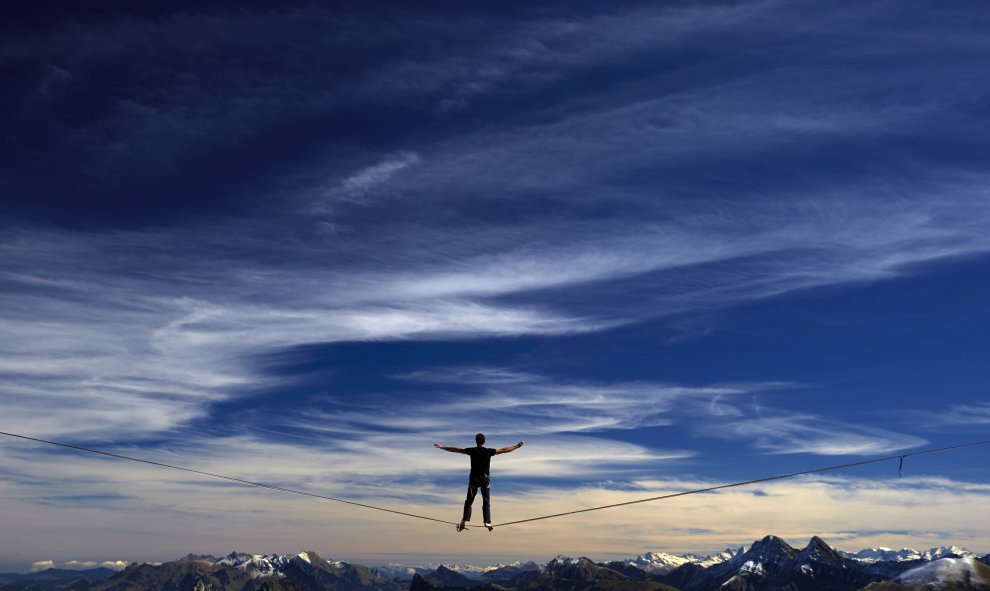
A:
(479, 478)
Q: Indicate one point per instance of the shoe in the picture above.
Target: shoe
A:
(461, 526)
(490, 526)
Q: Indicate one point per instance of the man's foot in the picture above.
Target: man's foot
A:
(461, 526)
(489, 526)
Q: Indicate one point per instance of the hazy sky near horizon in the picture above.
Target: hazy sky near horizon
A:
(669, 245)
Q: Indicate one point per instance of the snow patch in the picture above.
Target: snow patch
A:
(944, 570)
(751, 567)
(257, 565)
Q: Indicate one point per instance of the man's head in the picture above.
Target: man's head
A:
(479, 439)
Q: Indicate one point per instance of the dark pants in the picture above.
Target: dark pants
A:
(484, 483)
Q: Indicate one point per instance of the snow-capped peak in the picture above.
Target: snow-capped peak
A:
(726, 555)
(887, 555)
(561, 560)
(659, 562)
(944, 571)
(259, 565)
(235, 559)
(947, 552)
(662, 562)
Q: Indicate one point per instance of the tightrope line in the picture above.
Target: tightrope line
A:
(899, 457)
(756, 481)
(229, 478)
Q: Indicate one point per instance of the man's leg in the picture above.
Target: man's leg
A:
(471, 492)
(486, 504)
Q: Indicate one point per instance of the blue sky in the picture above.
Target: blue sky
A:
(669, 246)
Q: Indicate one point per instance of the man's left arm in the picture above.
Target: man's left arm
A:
(505, 450)
(456, 450)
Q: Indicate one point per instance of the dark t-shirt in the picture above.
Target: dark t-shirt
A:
(481, 460)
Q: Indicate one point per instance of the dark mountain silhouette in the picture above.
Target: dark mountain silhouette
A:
(771, 564)
(507, 573)
(585, 575)
(305, 572)
(183, 575)
(444, 577)
(682, 576)
(55, 579)
(631, 571)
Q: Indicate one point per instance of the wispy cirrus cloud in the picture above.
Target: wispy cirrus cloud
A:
(797, 433)
(185, 322)
(972, 414)
(977, 413)
(675, 111)
(587, 418)
(182, 112)
(357, 186)
(540, 405)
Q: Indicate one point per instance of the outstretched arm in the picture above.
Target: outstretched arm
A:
(456, 450)
(505, 450)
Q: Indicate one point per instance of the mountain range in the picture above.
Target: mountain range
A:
(770, 564)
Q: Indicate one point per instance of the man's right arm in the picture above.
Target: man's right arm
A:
(456, 450)
(505, 450)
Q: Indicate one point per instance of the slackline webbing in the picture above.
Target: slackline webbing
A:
(756, 481)
(228, 478)
(899, 457)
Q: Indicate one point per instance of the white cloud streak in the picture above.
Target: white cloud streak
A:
(567, 425)
(972, 414)
(803, 434)
(78, 565)
(357, 187)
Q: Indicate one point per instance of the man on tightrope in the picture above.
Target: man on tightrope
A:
(481, 458)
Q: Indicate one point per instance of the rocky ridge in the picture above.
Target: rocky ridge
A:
(770, 564)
